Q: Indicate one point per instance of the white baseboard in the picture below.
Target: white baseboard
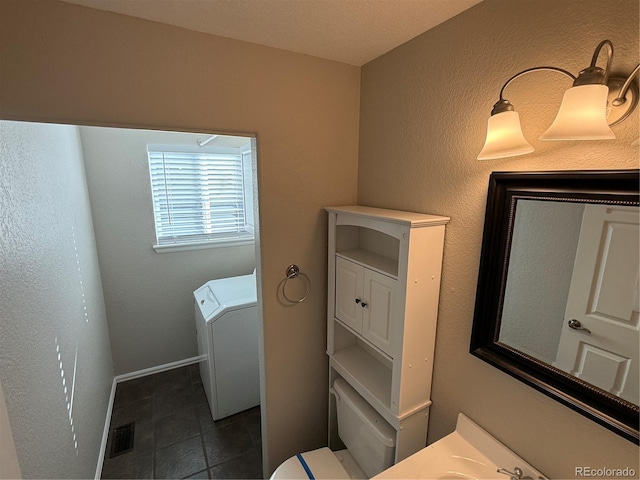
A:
(105, 431)
(130, 376)
(160, 368)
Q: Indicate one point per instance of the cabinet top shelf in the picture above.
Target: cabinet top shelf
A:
(380, 263)
(410, 219)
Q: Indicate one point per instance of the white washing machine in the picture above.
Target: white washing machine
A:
(227, 330)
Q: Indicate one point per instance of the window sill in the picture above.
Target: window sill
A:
(185, 247)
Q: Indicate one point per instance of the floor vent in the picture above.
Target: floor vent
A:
(122, 441)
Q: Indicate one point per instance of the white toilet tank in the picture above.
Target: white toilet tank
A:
(369, 438)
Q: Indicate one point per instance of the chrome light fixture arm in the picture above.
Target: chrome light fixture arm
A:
(504, 105)
(596, 75)
(621, 98)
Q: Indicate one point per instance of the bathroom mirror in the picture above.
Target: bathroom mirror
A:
(557, 299)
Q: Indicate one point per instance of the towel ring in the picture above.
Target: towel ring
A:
(293, 271)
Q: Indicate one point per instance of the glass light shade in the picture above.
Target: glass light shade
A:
(504, 137)
(582, 115)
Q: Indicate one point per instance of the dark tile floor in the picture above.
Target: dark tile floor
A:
(175, 435)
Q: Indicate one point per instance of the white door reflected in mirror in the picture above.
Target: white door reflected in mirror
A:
(576, 265)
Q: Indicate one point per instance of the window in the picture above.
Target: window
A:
(200, 198)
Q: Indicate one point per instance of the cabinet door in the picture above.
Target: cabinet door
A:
(349, 278)
(377, 313)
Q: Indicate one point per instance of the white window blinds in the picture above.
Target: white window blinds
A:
(197, 197)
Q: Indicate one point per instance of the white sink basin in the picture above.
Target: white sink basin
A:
(469, 453)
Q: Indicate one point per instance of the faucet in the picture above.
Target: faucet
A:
(515, 475)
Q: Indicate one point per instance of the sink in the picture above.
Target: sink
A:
(469, 453)
(456, 467)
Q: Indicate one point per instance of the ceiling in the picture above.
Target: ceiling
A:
(348, 31)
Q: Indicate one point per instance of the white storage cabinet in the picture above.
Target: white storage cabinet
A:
(384, 273)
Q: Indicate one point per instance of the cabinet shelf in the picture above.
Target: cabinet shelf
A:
(370, 377)
(385, 265)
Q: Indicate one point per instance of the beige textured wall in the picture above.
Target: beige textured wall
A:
(55, 358)
(9, 466)
(61, 62)
(424, 108)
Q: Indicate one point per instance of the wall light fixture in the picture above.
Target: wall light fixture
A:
(588, 109)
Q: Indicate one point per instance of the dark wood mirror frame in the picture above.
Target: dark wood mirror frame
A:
(505, 188)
